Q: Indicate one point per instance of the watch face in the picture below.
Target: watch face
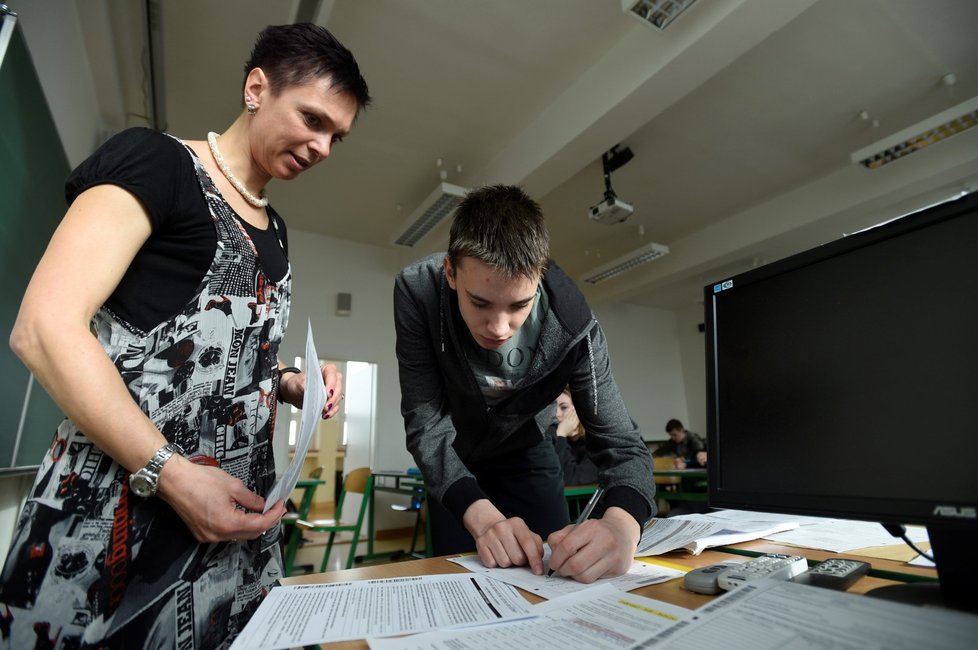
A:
(142, 485)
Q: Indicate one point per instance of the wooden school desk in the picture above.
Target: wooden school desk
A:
(885, 572)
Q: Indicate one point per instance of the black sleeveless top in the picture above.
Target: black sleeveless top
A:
(166, 271)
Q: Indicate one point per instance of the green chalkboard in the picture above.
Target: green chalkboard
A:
(33, 168)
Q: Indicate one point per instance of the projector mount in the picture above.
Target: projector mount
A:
(611, 209)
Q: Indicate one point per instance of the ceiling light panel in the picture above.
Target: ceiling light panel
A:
(656, 13)
(433, 210)
(625, 263)
(919, 136)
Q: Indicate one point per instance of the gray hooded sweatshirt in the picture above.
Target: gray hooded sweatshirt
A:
(449, 423)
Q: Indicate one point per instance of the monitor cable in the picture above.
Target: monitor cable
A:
(899, 530)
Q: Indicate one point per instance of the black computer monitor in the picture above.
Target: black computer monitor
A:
(843, 382)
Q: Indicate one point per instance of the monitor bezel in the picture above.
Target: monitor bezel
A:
(958, 514)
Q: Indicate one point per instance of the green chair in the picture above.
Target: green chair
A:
(291, 535)
(358, 481)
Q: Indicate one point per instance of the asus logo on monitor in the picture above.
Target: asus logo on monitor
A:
(963, 512)
(722, 286)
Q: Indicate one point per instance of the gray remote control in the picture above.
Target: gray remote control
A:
(777, 566)
(834, 573)
(704, 579)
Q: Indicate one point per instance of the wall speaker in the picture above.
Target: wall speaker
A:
(344, 304)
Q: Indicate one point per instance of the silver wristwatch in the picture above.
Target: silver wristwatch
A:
(144, 481)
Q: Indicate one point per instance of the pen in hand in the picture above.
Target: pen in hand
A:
(585, 513)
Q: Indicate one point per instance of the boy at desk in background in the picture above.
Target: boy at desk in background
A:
(488, 335)
(689, 448)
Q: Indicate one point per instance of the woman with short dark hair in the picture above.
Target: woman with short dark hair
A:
(146, 525)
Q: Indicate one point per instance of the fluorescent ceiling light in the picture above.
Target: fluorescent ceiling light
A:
(439, 204)
(919, 136)
(655, 13)
(626, 263)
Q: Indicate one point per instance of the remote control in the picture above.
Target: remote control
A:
(834, 573)
(773, 565)
(704, 579)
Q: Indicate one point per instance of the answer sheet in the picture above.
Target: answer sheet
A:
(597, 618)
(313, 401)
(303, 615)
(639, 575)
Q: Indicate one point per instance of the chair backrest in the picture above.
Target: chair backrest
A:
(358, 481)
(318, 472)
(663, 462)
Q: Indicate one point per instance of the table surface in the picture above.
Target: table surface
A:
(671, 591)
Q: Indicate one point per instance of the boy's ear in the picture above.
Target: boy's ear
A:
(449, 272)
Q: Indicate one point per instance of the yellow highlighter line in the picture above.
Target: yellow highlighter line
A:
(668, 565)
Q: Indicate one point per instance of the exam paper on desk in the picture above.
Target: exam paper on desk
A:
(303, 615)
(640, 574)
(776, 614)
(599, 617)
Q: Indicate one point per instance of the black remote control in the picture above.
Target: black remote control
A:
(834, 573)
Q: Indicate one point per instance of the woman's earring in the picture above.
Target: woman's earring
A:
(252, 109)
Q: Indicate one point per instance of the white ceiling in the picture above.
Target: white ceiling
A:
(741, 116)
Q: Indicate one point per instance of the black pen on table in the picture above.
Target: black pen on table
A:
(585, 513)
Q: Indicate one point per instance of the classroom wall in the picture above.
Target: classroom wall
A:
(53, 32)
(647, 364)
(692, 353)
(322, 268)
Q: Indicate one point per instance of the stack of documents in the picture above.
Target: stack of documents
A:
(698, 532)
(762, 614)
(469, 612)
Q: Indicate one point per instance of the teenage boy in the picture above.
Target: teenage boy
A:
(488, 335)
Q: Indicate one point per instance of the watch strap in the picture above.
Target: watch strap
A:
(163, 454)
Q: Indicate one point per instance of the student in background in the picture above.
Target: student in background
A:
(145, 524)
(488, 335)
(569, 441)
(689, 448)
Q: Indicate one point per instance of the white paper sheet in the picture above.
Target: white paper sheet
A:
(597, 618)
(302, 615)
(698, 532)
(772, 614)
(313, 401)
(735, 516)
(841, 535)
(640, 574)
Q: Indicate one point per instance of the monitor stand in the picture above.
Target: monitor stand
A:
(954, 549)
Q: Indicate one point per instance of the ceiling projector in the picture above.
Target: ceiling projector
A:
(611, 210)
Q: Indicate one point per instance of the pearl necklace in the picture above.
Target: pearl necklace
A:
(258, 202)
